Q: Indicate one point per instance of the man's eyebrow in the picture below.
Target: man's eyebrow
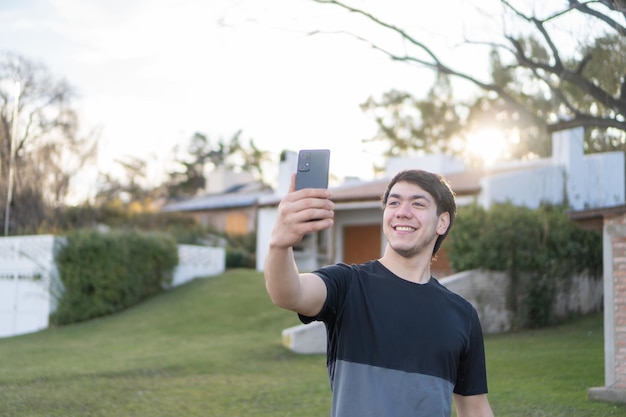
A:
(413, 197)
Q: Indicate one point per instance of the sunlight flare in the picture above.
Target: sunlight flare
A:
(490, 145)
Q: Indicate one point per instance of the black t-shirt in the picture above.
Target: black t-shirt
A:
(395, 347)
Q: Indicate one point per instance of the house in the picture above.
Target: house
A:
(228, 204)
(357, 234)
(583, 181)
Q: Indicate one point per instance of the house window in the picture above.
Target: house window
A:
(236, 224)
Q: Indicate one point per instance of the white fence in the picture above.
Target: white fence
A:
(30, 285)
(198, 261)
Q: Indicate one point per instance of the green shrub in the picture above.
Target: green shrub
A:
(106, 272)
(241, 251)
(237, 258)
(535, 247)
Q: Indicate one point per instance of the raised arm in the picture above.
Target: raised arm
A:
(299, 212)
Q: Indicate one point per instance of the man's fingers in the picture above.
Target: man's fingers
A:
(292, 185)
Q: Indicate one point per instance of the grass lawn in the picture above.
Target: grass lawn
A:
(212, 348)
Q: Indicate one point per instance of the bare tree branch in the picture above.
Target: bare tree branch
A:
(609, 4)
(544, 71)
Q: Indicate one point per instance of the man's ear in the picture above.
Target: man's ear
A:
(443, 223)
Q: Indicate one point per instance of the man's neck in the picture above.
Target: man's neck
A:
(415, 269)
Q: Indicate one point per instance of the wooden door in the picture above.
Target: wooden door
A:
(361, 243)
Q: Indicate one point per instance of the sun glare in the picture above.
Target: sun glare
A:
(488, 145)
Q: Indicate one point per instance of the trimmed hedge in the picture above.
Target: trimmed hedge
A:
(535, 247)
(107, 272)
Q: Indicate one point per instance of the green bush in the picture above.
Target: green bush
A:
(241, 251)
(106, 272)
(535, 247)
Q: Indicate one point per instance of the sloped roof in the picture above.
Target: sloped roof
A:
(465, 183)
(242, 195)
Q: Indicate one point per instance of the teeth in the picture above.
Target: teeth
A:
(404, 228)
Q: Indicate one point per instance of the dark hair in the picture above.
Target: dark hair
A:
(435, 185)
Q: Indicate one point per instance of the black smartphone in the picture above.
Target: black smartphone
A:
(312, 168)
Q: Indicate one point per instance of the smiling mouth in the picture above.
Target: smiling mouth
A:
(403, 228)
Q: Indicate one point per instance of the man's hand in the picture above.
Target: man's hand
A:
(301, 212)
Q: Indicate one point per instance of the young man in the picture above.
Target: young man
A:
(399, 343)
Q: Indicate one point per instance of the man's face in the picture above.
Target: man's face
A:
(410, 221)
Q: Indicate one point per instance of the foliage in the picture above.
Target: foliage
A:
(544, 77)
(40, 142)
(117, 216)
(203, 153)
(410, 125)
(107, 272)
(241, 251)
(541, 244)
(131, 190)
(212, 348)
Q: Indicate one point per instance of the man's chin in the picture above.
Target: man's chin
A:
(411, 251)
(408, 252)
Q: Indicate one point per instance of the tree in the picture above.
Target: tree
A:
(537, 83)
(202, 153)
(47, 149)
(129, 191)
(410, 124)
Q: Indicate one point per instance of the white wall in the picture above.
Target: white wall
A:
(530, 188)
(29, 283)
(266, 216)
(584, 181)
(221, 178)
(198, 262)
(601, 183)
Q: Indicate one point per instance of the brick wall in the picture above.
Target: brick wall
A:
(618, 243)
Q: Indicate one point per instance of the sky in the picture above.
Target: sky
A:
(151, 73)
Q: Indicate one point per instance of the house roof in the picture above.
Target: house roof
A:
(465, 183)
(236, 196)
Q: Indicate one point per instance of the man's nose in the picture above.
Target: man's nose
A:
(404, 210)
